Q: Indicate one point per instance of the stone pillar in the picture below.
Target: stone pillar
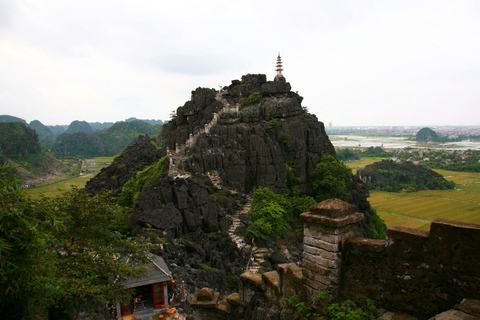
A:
(177, 148)
(326, 227)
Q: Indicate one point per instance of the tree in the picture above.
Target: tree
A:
(329, 179)
(65, 252)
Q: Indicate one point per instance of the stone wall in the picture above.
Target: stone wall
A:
(416, 272)
(326, 227)
(413, 272)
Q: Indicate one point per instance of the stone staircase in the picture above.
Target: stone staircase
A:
(176, 157)
(259, 255)
(236, 222)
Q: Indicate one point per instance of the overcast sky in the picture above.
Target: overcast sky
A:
(354, 62)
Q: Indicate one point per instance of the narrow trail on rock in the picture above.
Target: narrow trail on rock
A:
(175, 159)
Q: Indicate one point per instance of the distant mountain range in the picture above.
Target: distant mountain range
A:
(48, 134)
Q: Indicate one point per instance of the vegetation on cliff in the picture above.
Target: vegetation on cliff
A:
(143, 179)
(273, 213)
(59, 254)
(329, 179)
(19, 142)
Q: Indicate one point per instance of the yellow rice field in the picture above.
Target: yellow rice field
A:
(418, 209)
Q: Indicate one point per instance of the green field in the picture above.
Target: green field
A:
(418, 209)
(55, 187)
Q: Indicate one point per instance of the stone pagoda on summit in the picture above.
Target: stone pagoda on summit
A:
(279, 77)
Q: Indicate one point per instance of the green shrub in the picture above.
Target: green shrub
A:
(252, 100)
(285, 138)
(347, 310)
(329, 179)
(272, 213)
(272, 126)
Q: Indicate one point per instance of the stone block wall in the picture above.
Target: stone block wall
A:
(416, 272)
(326, 227)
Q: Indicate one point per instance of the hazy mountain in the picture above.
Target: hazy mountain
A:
(46, 136)
(77, 126)
(7, 118)
(108, 142)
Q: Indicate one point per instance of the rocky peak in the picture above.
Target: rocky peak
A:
(246, 143)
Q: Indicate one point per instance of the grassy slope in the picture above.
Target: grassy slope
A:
(418, 209)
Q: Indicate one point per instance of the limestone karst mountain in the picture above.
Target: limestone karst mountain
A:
(218, 147)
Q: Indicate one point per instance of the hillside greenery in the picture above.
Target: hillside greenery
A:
(78, 144)
(109, 142)
(58, 255)
(19, 142)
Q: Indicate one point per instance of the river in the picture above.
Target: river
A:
(344, 141)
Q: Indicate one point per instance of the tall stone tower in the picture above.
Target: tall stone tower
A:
(279, 77)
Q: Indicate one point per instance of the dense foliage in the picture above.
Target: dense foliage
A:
(272, 213)
(329, 179)
(79, 144)
(57, 254)
(375, 152)
(19, 142)
(391, 176)
(346, 154)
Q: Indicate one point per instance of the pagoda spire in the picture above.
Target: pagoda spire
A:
(279, 76)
